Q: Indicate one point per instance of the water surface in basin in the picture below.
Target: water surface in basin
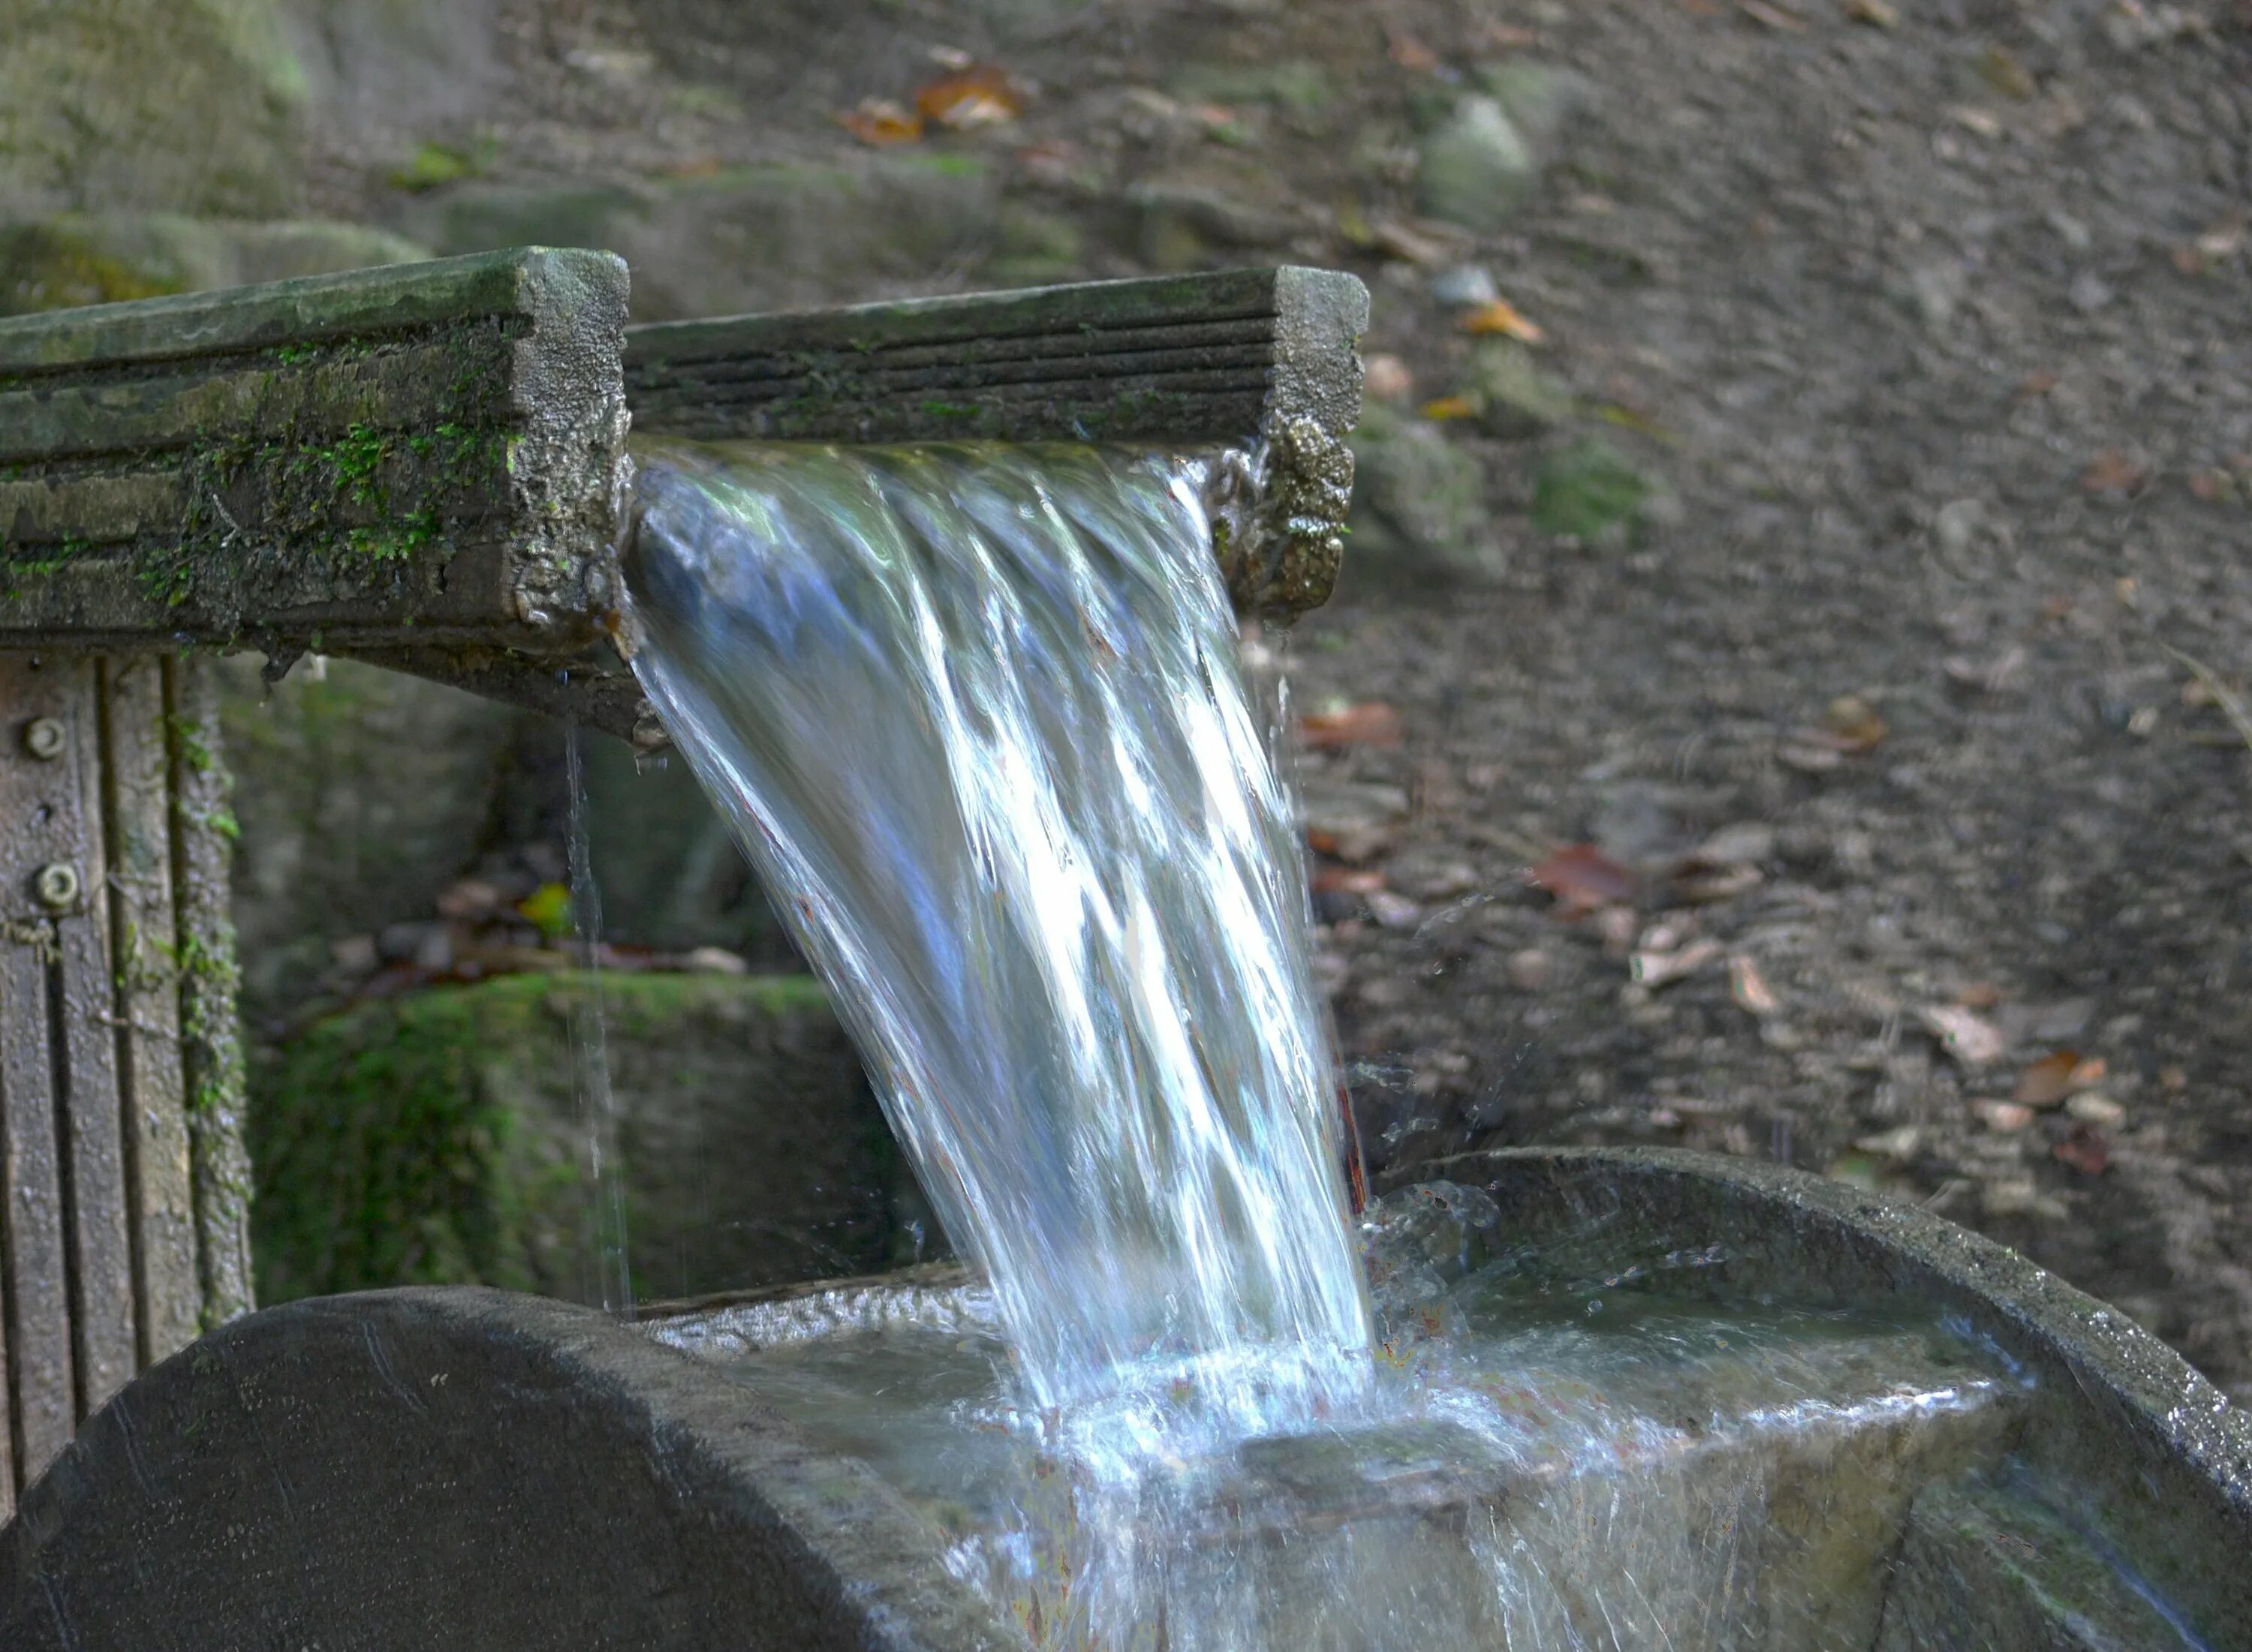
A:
(1541, 1459)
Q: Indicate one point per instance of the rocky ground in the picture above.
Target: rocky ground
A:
(1785, 697)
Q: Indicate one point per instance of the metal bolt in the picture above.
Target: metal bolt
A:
(44, 738)
(57, 884)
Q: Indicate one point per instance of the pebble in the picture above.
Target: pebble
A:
(2003, 1117)
(1465, 286)
(1531, 969)
(2091, 1107)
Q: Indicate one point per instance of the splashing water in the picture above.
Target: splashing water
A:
(977, 713)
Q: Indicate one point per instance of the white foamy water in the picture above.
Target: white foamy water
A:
(977, 715)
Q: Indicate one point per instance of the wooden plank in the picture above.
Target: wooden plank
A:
(104, 1341)
(211, 1039)
(160, 1201)
(34, 1250)
(355, 454)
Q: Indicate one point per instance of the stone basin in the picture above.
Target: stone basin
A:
(466, 1468)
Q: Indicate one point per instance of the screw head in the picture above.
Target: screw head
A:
(43, 739)
(56, 885)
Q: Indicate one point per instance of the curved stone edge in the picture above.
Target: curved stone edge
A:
(2166, 1458)
(463, 1467)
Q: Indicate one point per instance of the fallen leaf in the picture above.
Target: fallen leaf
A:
(2057, 1075)
(1369, 723)
(1452, 407)
(1503, 37)
(1346, 880)
(1410, 245)
(1748, 987)
(1809, 757)
(1582, 878)
(1998, 69)
(1499, 315)
(1409, 52)
(1877, 13)
(2113, 471)
(2084, 1150)
(1967, 1036)
(983, 94)
(880, 121)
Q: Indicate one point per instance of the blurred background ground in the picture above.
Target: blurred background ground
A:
(1785, 694)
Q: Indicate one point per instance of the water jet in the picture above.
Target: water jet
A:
(1765, 1409)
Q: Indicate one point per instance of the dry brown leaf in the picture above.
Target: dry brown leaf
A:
(2113, 470)
(2055, 1076)
(1582, 878)
(1409, 52)
(1346, 880)
(2084, 1150)
(1369, 723)
(983, 94)
(880, 121)
(1499, 316)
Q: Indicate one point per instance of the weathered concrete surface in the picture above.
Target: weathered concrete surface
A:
(388, 458)
(438, 1139)
(2162, 1462)
(1265, 358)
(462, 1468)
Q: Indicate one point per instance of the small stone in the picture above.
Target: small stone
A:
(1475, 166)
(2090, 293)
(1392, 910)
(1465, 287)
(1387, 379)
(2091, 1107)
(1898, 1146)
(1531, 969)
(2004, 1118)
(1745, 844)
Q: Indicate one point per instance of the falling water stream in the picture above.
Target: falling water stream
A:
(977, 715)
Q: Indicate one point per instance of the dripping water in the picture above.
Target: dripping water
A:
(598, 1119)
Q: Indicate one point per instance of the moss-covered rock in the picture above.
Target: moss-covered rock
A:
(192, 106)
(74, 258)
(1417, 495)
(438, 1139)
(1590, 491)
